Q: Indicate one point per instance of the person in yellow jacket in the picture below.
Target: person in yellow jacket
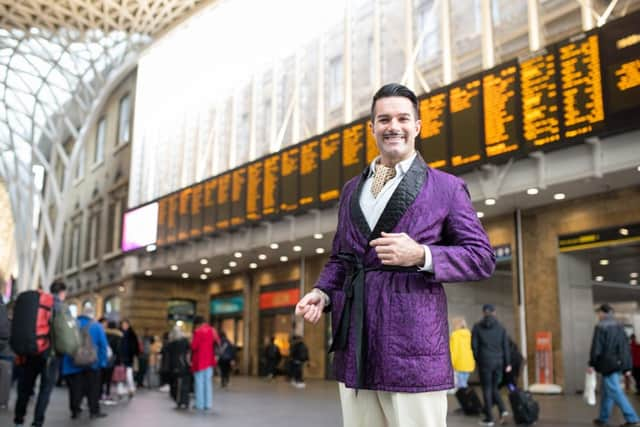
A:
(461, 353)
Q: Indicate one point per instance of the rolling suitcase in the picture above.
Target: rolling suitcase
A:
(469, 401)
(525, 408)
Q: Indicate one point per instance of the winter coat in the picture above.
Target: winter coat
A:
(114, 338)
(405, 333)
(635, 354)
(99, 339)
(129, 347)
(177, 353)
(461, 353)
(202, 348)
(610, 347)
(490, 343)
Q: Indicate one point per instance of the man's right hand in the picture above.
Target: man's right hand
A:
(310, 307)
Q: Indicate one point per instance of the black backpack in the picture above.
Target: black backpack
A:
(5, 327)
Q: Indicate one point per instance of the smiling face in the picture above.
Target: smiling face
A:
(395, 127)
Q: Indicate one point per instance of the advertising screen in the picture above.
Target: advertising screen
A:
(139, 227)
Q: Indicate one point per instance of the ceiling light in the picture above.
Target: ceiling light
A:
(490, 202)
(204, 261)
(148, 273)
(604, 261)
(634, 275)
(559, 196)
(174, 267)
(319, 250)
(185, 275)
(638, 168)
(226, 271)
(253, 265)
(232, 263)
(262, 257)
(532, 191)
(297, 248)
(121, 288)
(274, 246)
(599, 278)
(633, 281)
(151, 248)
(317, 236)
(284, 258)
(203, 276)
(207, 270)
(624, 231)
(237, 254)
(480, 214)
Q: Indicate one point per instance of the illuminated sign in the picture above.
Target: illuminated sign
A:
(501, 110)
(139, 227)
(432, 141)
(330, 167)
(309, 173)
(353, 150)
(289, 170)
(465, 107)
(277, 299)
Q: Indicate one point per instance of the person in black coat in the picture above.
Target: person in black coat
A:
(299, 356)
(490, 347)
(226, 353)
(178, 366)
(129, 350)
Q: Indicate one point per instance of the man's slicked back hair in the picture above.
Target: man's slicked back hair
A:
(395, 89)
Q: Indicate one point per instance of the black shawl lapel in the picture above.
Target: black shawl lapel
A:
(357, 216)
(402, 198)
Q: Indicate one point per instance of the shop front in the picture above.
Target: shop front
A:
(226, 315)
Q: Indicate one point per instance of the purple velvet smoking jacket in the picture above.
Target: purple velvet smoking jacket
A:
(406, 336)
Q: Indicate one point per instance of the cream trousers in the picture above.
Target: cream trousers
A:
(390, 409)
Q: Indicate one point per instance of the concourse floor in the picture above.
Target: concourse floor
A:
(254, 402)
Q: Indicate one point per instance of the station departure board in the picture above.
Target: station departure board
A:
(539, 97)
(353, 149)
(433, 138)
(254, 191)
(209, 205)
(289, 169)
(620, 48)
(587, 85)
(196, 210)
(501, 110)
(223, 202)
(309, 173)
(581, 86)
(184, 214)
(172, 218)
(330, 167)
(271, 186)
(238, 196)
(465, 108)
(372, 145)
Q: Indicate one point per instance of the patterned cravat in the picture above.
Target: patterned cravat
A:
(380, 178)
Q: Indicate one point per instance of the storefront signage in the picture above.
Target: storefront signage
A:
(599, 238)
(277, 299)
(503, 252)
(179, 309)
(229, 305)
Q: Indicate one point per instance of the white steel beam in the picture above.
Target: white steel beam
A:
(536, 37)
(409, 58)
(347, 69)
(448, 73)
(488, 49)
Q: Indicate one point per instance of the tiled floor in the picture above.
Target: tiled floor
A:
(253, 402)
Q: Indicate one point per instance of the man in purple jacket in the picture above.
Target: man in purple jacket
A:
(403, 229)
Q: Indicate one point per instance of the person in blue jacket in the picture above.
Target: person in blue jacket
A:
(85, 380)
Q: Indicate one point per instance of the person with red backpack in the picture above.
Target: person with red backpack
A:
(31, 340)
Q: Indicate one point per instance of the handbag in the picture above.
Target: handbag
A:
(119, 374)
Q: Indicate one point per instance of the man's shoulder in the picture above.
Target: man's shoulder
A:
(444, 178)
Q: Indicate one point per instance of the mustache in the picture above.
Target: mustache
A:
(391, 134)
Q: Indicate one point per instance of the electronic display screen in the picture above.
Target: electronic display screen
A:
(239, 196)
(184, 214)
(434, 135)
(163, 206)
(254, 191)
(271, 186)
(465, 107)
(372, 145)
(540, 99)
(500, 102)
(172, 217)
(209, 205)
(223, 202)
(290, 166)
(140, 227)
(330, 167)
(581, 86)
(353, 149)
(196, 209)
(309, 173)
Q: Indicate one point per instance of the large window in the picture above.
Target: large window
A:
(117, 205)
(93, 233)
(111, 308)
(429, 28)
(336, 77)
(74, 256)
(100, 138)
(124, 120)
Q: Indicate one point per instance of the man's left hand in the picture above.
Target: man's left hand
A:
(398, 249)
